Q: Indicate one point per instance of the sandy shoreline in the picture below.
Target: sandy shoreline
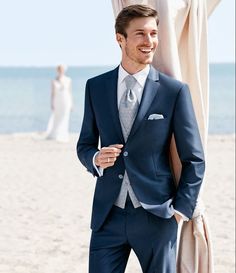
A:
(46, 198)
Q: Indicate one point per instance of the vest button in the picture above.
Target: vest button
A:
(125, 153)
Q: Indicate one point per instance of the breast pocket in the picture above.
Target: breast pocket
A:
(156, 125)
(157, 132)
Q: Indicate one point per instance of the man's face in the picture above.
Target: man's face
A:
(139, 46)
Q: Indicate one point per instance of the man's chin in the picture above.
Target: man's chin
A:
(148, 61)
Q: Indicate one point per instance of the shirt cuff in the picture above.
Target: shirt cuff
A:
(184, 218)
(99, 170)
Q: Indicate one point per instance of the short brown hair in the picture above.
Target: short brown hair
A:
(132, 12)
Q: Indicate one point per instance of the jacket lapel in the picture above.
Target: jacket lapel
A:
(111, 87)
(149, 93)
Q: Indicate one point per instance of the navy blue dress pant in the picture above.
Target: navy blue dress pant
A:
(153, 239)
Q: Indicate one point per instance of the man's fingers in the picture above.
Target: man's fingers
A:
(108, 149)
(108, 160)
(112, 148)
(108, 155)
(118, 146)
(106, 165)
(103, 160)
(110, 152)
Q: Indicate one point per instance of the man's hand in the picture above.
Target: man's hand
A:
(178, 217)
(108, 155)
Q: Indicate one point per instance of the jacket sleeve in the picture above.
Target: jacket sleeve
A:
(190, 152)
(87, 144)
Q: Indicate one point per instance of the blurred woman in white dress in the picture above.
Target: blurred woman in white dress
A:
(61, 105)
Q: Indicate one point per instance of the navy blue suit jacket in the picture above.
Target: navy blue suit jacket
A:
(147, 163)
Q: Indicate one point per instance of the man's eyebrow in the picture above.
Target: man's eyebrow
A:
(141, 29)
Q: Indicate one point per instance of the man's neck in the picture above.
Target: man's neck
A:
(133, 68)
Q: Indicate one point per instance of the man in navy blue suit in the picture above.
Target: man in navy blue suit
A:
(130, 116)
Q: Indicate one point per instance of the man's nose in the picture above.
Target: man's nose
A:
(148, 39)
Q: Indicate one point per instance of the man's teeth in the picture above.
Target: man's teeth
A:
(146, 50)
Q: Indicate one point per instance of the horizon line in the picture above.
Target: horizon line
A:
(89, 65)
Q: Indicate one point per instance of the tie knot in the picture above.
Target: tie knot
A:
(130, 82)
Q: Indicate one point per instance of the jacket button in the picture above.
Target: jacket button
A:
(120, 176)
(125, 153)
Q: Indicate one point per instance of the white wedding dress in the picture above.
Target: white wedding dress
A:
(58, 125)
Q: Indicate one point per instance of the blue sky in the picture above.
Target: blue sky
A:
(48, 32)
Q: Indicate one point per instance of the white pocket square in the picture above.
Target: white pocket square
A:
(155, 116)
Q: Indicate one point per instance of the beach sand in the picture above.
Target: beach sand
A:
(46, 198)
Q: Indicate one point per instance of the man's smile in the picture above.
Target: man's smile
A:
(146, 50)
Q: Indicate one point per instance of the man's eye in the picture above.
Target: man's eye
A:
(154, 34)
(139, 33)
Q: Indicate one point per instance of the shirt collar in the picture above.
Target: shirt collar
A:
(140, 76)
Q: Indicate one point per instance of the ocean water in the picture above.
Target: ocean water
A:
(25, 97)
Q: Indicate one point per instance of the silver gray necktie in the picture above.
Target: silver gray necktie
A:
(128, 106)
(127, 111)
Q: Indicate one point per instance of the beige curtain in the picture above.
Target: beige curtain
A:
(182, 53)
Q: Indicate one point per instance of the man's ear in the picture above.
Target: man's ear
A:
(119, 38)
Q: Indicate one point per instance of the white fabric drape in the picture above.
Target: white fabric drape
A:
(182, 53)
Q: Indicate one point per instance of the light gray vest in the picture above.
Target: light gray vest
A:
(127, 112)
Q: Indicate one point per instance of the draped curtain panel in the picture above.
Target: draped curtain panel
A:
(182, 53)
